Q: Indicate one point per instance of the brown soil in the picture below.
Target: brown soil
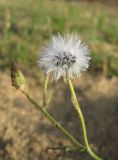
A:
(25, 133)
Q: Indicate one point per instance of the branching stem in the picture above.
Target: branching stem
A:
(54, 122)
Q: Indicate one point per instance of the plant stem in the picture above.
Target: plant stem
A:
(82, 121)
(64, 148)
(45, 90)
(54, 122)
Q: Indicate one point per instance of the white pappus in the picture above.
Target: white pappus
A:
(64, 56)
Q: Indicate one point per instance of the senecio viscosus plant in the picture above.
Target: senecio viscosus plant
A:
(64, 57)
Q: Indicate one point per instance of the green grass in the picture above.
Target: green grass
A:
(26, 25)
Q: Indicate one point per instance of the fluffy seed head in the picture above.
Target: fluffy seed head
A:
(64, 56)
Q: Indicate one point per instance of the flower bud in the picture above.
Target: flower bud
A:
(18, 80)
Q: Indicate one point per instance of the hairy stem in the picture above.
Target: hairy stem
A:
(82, 121)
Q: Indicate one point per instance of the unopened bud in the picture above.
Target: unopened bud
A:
(18, 80)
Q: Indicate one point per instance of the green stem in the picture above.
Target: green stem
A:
(63, 148)
(82, 121)
(54, 122)
(45, 90)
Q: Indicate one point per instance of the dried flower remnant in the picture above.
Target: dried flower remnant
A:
(65, 56)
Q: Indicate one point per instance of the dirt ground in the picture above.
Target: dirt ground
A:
(25, 134)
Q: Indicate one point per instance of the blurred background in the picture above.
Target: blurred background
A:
(25, 26)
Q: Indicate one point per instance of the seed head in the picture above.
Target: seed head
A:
(64, 56)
